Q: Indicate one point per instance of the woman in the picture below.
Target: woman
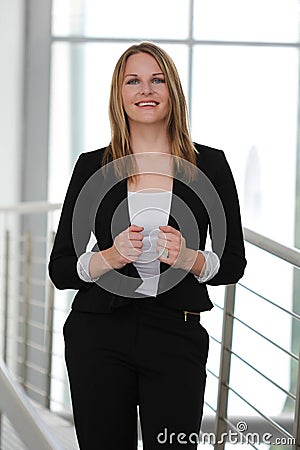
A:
(133, 336)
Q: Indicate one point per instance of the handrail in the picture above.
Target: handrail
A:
(288, 254)
(24, 417)
(284, 252)
(29, 207)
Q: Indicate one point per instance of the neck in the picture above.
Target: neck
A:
(149, 138)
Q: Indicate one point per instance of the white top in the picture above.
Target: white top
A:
(150, 210)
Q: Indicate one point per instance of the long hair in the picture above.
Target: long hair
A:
(177, 120)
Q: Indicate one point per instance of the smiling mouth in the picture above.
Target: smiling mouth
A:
(147, 104)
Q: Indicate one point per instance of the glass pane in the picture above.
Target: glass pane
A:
(247, 20)
(80, 84)
(118, 18)
(245, 101)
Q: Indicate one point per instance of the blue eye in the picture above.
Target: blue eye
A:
(158, 80)
(133, 81)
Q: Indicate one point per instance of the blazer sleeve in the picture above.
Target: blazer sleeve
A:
(232, 259)
(63, 258)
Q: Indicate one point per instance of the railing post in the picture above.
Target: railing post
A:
(0, 429)
(6, 291)
(296, 429)
(225, 361)
(49, 343)
(27, 291)
(49, 311)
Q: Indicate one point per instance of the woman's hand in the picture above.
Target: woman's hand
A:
(179, 256)
(127, 247)
(172, 240)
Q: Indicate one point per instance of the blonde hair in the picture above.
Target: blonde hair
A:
(177, 120)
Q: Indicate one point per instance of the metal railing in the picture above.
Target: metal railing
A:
(39, 317)
(289, 432)
(28, 336)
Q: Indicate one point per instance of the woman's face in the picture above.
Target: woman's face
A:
(144, 91)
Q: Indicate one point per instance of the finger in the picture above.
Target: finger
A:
(167, 228)
(134, 254)
(166, 236)
(128, 247)
(136, 244)
(169, 238)
(162, 251)
(163, 256)
(173, 245)
(135, 236)
(135, 227)
(161, 242)
(131, 253)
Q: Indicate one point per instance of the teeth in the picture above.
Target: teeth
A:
(147, 104)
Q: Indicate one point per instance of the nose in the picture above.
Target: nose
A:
(146, 88)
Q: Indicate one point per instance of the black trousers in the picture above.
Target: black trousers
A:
(140, 354)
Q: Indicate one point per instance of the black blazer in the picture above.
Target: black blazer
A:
(195, 209)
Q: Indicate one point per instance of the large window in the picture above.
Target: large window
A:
(240, 77)
(239, 64)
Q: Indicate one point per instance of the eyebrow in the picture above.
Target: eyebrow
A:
(136, 75)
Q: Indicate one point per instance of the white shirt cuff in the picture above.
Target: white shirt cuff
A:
(212, 265)
(83, 265)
